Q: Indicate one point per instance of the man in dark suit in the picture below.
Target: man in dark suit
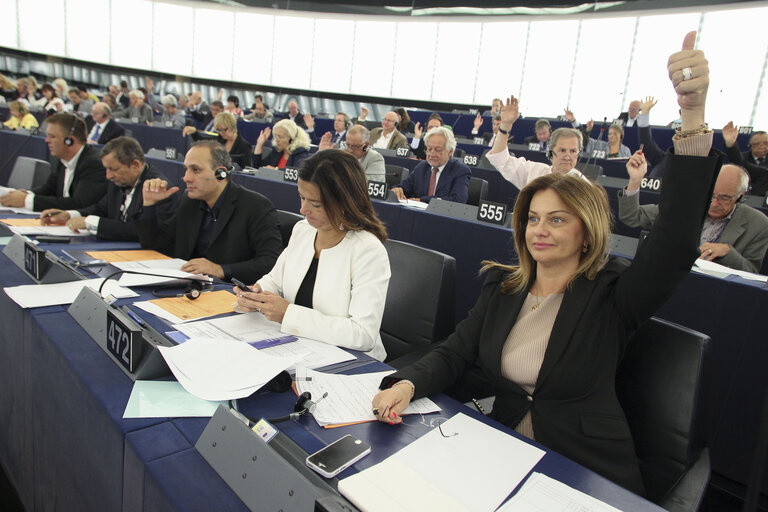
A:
(206, 124)
(488, 137)
(199, 109)
(111, 218)
(223, 229)
(102, 128)
(755, 161)
(440, 176)
(295, 115)
(629, 118)
(541, 137)
(77, 179)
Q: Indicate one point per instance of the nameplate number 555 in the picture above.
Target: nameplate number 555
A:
(491, 212)
(121, 342)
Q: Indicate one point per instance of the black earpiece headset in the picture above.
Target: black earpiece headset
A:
(222, 172)
(68, 141)
(193, 290)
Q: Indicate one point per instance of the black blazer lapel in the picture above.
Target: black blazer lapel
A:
(507, 311)
(571, 311)
(227, 209)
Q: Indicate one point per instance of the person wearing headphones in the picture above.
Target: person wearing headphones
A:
(20, 117)
(564, 147)
(330, 283)
(734, 234)
(77, 177)
(221, 228)
(357, 145)
(111, 218)
(291, 146)
(340, 124)
(388, 136)
(225, 133)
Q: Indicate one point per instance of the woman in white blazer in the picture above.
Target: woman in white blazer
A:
(330, 283)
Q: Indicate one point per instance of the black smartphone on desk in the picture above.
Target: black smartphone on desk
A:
(338, 456)
(52, 239)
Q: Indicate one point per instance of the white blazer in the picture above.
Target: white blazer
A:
(350, 289)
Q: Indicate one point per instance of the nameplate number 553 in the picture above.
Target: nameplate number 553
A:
(122, 342)
(291, 174)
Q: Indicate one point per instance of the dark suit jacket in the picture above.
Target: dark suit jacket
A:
(758, 176)
(574, 408)
(294, 159)
(299, 119)
(653, 153)
(111, 131)
(111, 227)
(452, 185)
(88, 184)
(246, 241)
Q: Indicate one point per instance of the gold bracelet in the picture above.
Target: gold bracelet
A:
(404, 381)
(682, 134)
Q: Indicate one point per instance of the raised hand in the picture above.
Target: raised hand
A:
(590, 125)
(730, 134)
(309, 121)
(689, 72)
(509, 113)
(417, 131)
(647, 104)
(325, 142)
(156, 190)
(637, 167)
(569, 116)
(363, 114)
(264, 136)
(478, 122)
(188, 130)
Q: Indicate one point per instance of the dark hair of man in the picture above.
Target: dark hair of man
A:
(234, 99)
(82, 88)
(124, 149)
(218, 104)
(124, 84)
(219, 156)
(343, 190)
(437, 116)
(66, 122)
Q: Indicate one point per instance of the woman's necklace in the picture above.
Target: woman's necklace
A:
(538, 303)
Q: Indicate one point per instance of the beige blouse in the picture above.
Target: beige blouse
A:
(526, 344)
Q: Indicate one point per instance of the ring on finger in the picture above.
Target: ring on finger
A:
(687, 73)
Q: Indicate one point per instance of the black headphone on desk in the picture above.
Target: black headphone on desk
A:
(304, 405)
(193, 290)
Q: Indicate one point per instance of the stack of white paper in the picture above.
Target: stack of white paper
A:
(170, 268)
(40, 295)
(349, 396)
(47, 230)
(715, 269)
(221, 369)
(474, 468)
(541, 493)
(165, 399)
(254, 326)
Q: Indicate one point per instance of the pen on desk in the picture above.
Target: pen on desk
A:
(136, 318)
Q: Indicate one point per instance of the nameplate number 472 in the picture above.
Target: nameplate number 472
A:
(122, 342)
(33, 257)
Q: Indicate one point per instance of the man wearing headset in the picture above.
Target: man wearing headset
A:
(221, 228)
(564, 147)
(77, 177)
(734, 234)
(357, 145)
(340, 124)
(111, 218)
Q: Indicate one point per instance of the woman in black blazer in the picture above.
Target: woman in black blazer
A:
(580, 304)
(291, 146)
(225, 125)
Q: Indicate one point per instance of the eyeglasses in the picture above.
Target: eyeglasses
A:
(355, 147)
(722, 198)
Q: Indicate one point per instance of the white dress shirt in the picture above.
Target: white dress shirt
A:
(69, 175)
(383, 141)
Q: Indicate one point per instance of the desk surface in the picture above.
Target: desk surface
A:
(67, 406)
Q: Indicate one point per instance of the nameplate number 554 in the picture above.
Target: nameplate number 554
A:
(377, 190)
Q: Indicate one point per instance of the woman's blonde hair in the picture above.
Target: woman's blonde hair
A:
(19, 107)
(298, 137)
(587, 201)
(226, 119)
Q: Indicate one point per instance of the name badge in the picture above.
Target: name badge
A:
(491, 212)
(534, 146)
(470, 159)
(291, 174)
(169, 124)
(598, 153)
(479, 140)
(134, 119)
(618, 121)
(33, 259)
(343, 145)
(377, 189)
(745, 130)
(403, 151)
(170, 153)
(123, 342)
